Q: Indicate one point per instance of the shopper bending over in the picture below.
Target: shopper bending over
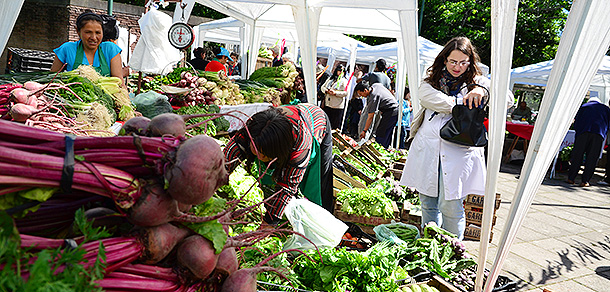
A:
(105, 57)
(379, 98)
(441, 171)
(299, 138)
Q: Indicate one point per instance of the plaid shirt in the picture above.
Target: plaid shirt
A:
(301, 116)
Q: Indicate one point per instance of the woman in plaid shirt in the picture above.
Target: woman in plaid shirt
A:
(299, 138)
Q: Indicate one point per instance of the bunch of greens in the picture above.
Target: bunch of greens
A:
(391, 188)
(375, 270)
(239, 183)
(213, 127)
(566, 153)
(365, 202)
(360, 166)
(211, 230)
(371, 164)
(260, 251)
(49, 269)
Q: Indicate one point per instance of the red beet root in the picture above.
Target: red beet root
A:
(198, 255)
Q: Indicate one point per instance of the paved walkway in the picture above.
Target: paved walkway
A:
(564, 242)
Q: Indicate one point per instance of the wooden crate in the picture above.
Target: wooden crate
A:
(340, 140)
(346, 178)
(477, 201)
(477, 217)
(372, 156)
(439, 283)
(355, 171)
(365, 221)
(473, 232)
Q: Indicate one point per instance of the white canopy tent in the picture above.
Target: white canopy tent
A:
(392, 18)
(8, 17)
(538, 74)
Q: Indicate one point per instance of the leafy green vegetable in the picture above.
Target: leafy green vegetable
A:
(20, 198)
(219, 124)
(85, 227)
(365, 202)
(211, 230)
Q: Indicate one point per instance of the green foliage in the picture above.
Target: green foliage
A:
(365, 202)
(198, 10)
(540, 23)
(211, 230)
(213, 127)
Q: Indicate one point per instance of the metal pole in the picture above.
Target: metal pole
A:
(110, 2)
(421, 16)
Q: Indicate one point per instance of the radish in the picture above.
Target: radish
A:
(244, 280)
(33, 86)
(198, 255)
(154, 207)
(136, 125)
(20, 112)
(227, 261)
(159, 241)
(167, 124)
(198, 172)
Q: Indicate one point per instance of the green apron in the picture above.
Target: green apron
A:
(103, 69)
(310, 186)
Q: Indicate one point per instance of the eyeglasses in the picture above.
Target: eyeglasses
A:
(454, 63)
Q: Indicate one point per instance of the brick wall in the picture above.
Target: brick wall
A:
(46, 24)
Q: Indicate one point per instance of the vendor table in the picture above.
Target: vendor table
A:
(522, 131)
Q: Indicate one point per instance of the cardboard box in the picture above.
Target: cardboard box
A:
(477, 217)
(477, 201)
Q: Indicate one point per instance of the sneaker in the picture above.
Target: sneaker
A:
(584, 184)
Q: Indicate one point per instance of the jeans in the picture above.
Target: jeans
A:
(448, 214)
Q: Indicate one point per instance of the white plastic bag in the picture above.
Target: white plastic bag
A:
(313, 221)
(153, 53)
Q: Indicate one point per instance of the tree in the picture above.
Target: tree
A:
(198, 10)
(539, 26)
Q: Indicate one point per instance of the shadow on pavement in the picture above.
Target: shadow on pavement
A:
(603, 271)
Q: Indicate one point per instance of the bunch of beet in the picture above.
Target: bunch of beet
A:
(198, 94)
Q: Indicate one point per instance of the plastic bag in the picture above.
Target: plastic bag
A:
(151, 104)
(383, 233)
(153, 53)
(313, 221)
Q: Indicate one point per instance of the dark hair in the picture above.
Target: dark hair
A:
(234, 54)
(110, 27)
(381, 65)
(362, 86)
(85, 17)
(407, 90)
(216, 51)
(198, 52)
(463, 45)
(335, 75)
(272, 134)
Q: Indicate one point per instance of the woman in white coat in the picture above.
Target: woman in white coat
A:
(442, 172)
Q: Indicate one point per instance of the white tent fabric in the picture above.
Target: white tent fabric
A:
(8, 17)
(388, 19)
(538, 74)
(583, 43)
(504, 20)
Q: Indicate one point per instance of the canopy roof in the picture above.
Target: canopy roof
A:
(538, 74)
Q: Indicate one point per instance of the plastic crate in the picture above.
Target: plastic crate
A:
(361, 237)
(25, 60)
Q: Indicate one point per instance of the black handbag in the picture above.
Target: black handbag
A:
(466, 125)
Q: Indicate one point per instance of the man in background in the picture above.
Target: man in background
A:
(522, 112)
(591, 125)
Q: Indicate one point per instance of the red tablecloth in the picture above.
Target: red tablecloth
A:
(520, 130)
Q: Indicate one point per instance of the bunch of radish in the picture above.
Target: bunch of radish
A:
(198, 94)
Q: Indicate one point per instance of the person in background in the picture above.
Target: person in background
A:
(444, 173)
(354, 110)
(522, 112)
(407, 112)
(378, 75)
(105, 57)
(277, 58)
(233, 67)
(335, 93)
(379, 98)
(591, 126)
(321, 77)
(220, 61)
(299, 137)
(199, 62)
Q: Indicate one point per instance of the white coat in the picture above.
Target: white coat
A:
(463, 167)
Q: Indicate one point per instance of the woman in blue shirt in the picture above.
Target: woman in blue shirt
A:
(105, 57)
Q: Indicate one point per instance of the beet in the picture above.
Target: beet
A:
(244, 280)
(167, 124)
(135, 125)
(101, 216)
(198, 255)
(198, 172)
(227, 261)
(159, 241)
(154, 207)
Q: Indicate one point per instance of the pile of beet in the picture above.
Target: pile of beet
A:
(141, 186)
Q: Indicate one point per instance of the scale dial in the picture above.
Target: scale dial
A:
(181, 35)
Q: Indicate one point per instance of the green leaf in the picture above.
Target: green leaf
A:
(85, 227)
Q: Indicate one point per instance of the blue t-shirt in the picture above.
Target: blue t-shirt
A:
(66, 53)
